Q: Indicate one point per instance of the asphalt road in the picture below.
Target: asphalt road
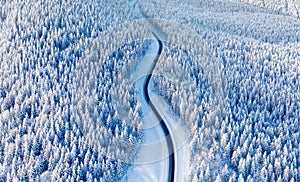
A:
(162, 122)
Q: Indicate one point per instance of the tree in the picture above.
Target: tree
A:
(207, 173)
(286, 173)
(277, 167)
(241, 178)
(241, 166)
(218, 179)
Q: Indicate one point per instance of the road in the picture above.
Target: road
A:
(165, 139)
(162, 123)
(158, 116)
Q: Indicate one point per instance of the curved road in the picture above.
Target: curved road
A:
(170, 145)
(162, 122)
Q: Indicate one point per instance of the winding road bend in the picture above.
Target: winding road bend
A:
(159, 117)
(171, 176)
(158, 151)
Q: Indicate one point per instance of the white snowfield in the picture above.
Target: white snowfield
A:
(256, 136)
(61, 68)
(287, 7)
(180, 137)
(157, 153)
(152, 162)
(65, 94)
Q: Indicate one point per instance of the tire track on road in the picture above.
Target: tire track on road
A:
(166, 130)
(159, 117)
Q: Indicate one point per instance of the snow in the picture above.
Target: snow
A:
(152, 160)
(5, 115)
(287, 7)
(258, 54)
(61, 64)
(154, 147)
(45, 176)
(53, 95)
(180, 136)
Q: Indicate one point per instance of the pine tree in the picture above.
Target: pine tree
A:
(218, 179)
(241, 178)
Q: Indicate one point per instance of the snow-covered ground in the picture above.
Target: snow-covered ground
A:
(65, 94)
(287, 7)
(62, 64)
(179, 134)
(152, 162)
(257, 52)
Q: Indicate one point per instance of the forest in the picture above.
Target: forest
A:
(236, 89)
(61, 80)
(229, 70)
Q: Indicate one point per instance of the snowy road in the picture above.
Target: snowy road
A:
(164, 154)
(163, 124)
(152, 163)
